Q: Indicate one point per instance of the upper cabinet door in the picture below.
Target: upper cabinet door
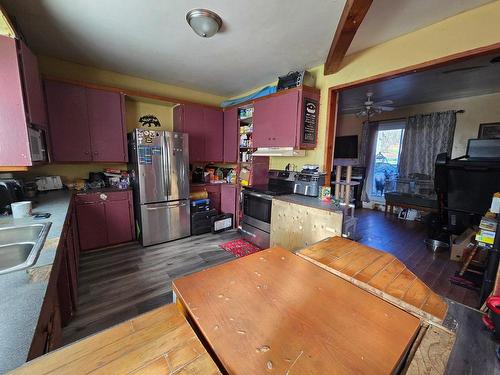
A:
(179, 119)
(35, 102)
(106, 125)
(193, 125)
(68, 119)
(231, 135)
(214, 134)
(14, 145)
(275, 120)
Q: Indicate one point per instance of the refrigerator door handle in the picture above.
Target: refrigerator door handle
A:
(166, 164)
(155, 208)
(177, 204)
(167, 206)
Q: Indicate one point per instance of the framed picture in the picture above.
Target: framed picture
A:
(489, 130)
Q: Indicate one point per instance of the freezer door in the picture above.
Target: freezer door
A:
(151, 162)
(177, 166)
(167, 221)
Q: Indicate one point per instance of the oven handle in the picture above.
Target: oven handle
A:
(246, 232)
(258, 195)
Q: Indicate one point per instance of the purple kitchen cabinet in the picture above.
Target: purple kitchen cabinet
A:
(205, 129)
(228, 195)
(214, 194)
(231, 135)
(213, 126)
(275, 120)
(119, 224)
(68, 120)
(35, 102)
(14, 146)
(104, 219)
(106, 125)
(91, 225)
(193, 125)
(179, 119)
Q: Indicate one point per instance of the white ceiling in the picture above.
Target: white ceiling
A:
(388, 19)
(477, 76)
(260, 40)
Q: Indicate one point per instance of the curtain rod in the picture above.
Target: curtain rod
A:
(460, 111)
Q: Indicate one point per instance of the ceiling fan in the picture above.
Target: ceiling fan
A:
(369, 107)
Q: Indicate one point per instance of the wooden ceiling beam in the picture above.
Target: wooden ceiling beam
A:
(353, 14)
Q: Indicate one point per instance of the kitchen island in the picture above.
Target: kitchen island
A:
(298, 221)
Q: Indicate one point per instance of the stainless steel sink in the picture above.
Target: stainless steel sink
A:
(20, 246)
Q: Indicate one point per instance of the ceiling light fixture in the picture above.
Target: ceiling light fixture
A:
(204, 22)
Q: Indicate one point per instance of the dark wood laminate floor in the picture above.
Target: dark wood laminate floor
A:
(120, 283)
(405, 240)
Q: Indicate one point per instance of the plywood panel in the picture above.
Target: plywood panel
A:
(294, 226)
(275, 312)
(379, 273)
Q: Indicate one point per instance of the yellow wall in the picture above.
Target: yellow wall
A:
(478, 110)
(68, 70)
(476, 28)
(135, 109)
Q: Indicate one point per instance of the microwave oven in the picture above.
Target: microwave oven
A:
(38, 144)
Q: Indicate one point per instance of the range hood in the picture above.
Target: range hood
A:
(278, 151)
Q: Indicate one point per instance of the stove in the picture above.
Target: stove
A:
(257, 202)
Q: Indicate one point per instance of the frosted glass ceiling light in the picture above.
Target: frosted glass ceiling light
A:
(204, 22)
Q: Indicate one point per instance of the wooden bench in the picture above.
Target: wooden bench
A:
(158, 342)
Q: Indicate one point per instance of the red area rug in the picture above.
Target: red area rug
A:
(239, 248)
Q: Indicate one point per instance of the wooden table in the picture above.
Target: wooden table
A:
(274, 312)
(159, 342)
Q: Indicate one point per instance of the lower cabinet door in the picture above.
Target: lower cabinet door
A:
(91, 219)
(228, 200)
(214, 196)
(118, 222)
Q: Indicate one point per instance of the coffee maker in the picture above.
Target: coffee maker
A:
(11, 191)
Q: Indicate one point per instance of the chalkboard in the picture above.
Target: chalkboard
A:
(310, 122)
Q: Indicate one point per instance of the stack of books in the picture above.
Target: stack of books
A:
(487, 229)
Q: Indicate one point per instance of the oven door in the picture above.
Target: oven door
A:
(257, 209)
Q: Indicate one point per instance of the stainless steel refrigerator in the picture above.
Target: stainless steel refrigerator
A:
(159, 172)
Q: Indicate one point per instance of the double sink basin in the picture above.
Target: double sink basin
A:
(20, 245)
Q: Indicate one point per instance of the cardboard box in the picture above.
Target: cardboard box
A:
(459, 243)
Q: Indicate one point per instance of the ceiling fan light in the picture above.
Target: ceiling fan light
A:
(204, 22)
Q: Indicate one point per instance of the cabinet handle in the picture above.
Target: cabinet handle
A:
(86, 153)
(96, 153)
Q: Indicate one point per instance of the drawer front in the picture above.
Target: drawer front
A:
(87, 198)
(118, 196)
(102, 196)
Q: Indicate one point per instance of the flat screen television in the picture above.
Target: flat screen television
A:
(346, 147)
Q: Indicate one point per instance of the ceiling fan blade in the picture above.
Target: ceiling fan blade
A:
(384, 102)
(357, 108)
(385, 108)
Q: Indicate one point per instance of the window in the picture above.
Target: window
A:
(388, 141)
